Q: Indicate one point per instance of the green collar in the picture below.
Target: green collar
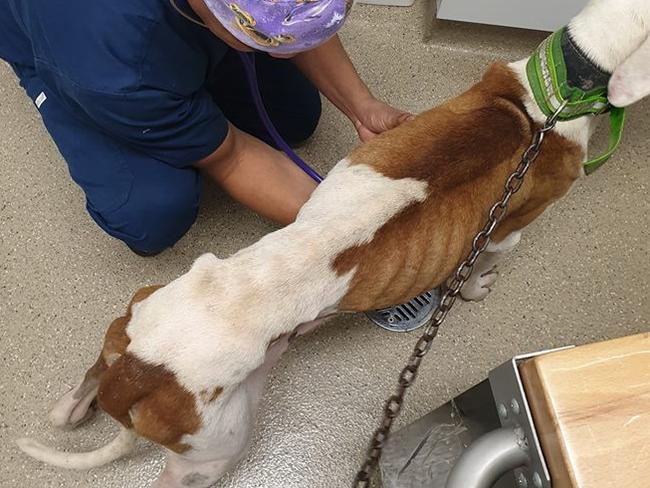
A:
(558, 72)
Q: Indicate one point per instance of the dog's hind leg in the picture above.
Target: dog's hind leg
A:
(74, 407)
(485, 275)
(181, 472)
(201, 459)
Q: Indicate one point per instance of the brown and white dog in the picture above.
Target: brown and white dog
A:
(186, 366)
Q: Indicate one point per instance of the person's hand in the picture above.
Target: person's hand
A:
(373, 117)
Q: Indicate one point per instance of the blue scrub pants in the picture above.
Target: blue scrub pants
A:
(149, 204)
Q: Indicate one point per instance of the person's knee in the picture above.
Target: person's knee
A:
(164, 222)
(156, 216)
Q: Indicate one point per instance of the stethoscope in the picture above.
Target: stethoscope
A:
(248, 60)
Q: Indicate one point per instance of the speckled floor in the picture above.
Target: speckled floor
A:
(579, 275)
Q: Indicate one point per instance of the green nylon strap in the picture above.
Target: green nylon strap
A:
(547, 75)
(616, 126)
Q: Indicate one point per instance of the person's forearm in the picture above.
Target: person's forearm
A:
(329, 68)
(255, 174)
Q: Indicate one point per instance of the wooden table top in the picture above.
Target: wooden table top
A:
(591, 407)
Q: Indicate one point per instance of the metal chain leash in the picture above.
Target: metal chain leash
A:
(480, 243)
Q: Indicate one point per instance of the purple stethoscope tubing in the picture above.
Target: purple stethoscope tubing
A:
(248, 61)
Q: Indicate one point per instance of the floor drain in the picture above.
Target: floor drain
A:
(407, 316)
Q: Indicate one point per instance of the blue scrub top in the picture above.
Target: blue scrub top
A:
(134, 69)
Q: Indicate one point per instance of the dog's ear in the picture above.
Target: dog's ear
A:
(631, 80)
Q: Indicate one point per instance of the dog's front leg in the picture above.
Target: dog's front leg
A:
(484, 275)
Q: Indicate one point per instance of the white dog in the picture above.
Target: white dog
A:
(185, 367)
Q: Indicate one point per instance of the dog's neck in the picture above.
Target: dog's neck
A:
(577, 130)
(588, 30)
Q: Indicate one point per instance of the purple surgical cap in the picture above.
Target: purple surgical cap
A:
(281, 26)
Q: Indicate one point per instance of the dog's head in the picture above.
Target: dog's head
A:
(615, 35)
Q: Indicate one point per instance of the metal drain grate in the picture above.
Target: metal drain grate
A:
(407, 316)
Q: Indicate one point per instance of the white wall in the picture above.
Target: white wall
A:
(547, 15)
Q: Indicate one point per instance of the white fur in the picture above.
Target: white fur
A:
(631, 80)
(609, 31)
(120, 446)
(507, 244)
(72, 409)
(592, 29)
(614, 34)
(484, 274)
(577, 130)
(213, 324)
(226, 322)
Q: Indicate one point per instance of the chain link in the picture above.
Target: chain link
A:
(480, 243)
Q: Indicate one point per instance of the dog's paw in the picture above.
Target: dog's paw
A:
(478, 286)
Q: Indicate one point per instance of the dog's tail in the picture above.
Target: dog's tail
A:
(120, 446)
